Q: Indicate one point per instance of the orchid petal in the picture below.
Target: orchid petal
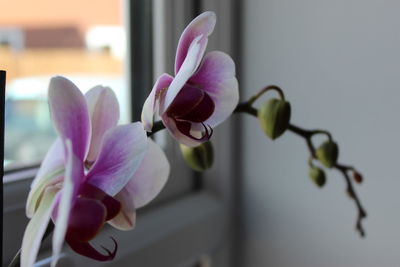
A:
(73, 177)
(85, 249)
(187, 69)
(202, 25)
(51, 170)
(151, 176)
(126, 218)
(70, 114)
(149, 106)
(173, 129)
(53, 160)
(144, 186)
(37, 227)
(104, 114)
(216, 76)
(122, 150)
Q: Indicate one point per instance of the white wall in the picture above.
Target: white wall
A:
(339, 64)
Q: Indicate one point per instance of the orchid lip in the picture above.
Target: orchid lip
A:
(191, 104)
(86, 249)
(91, 210)
(184, 127)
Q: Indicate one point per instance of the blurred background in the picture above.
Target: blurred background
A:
(338, 63)
(85, 41)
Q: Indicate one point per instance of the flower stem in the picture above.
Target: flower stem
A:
(246, 107)
(264, 90)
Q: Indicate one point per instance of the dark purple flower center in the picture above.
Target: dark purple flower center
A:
(91, 210)
(192, 105)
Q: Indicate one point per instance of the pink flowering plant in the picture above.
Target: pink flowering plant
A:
(203, 93)
(99, 172)
(95, 172)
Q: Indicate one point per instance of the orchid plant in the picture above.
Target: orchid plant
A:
(203, 93)
(97, 172)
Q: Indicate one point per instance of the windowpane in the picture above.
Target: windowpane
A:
(82, 40)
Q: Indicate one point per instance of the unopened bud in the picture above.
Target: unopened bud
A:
(357, 177)
(199, 158)
(328, 153)
(274, 117)
(317, 175)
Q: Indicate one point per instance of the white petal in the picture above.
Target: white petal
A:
(185, 72)
(51, 170)
(150, 178)
(126, 218)
(149, 106)
(36, 228)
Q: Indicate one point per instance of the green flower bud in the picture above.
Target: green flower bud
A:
(317, 175)
(199, 158)
(328, 153)
(274, 117)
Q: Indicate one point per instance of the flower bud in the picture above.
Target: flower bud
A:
(328, 153)
(317, 175)
(357, 177)
(199, 158)
(274, 117)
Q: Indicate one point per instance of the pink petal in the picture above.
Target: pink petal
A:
(216, 76)
(52, 168)
(104, 114)
(36, 228)
(70, 114)
(188, 67)
(202, 25)
(121, 153)
(73, 177)
(148, 180)
(149, 107)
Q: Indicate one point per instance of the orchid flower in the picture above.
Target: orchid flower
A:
(95, 172)
(203, 93)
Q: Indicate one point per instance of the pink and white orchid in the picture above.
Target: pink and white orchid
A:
(95, 172)
(204, 91)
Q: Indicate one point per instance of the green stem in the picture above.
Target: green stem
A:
(264, 90)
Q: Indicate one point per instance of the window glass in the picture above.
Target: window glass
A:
(82, 40)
